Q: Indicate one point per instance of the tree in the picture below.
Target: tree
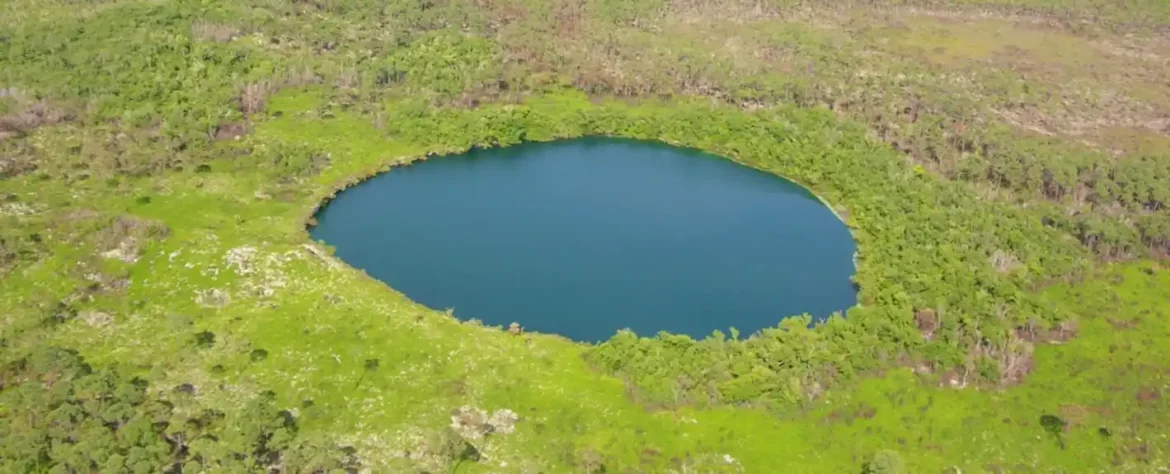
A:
(1054, 426)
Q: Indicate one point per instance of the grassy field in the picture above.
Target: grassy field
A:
(1003, 166)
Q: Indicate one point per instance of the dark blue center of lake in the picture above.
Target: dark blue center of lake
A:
(585, 237)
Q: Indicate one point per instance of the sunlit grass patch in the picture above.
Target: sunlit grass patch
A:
(957, 42)
(1136, 141)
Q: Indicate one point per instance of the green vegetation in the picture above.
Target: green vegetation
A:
(1003, 166)
(74, 419)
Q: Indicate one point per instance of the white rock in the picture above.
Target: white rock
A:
(96, 319)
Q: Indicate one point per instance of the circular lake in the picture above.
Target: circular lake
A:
(585, 237)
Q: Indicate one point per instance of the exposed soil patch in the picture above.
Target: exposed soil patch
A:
(1148, 395)
(230, 131)
(27, 115)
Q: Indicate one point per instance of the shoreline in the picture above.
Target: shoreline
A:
(309, 220)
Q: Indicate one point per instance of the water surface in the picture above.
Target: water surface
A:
(585, 237)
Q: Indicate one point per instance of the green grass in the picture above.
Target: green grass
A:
(943, 138)
(948, 42)
(322, 320)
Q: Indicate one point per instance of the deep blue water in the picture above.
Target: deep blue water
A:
(585, 237)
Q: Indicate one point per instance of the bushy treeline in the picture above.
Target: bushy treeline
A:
(59, 414)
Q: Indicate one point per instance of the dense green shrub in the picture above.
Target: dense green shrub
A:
(59, 414)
